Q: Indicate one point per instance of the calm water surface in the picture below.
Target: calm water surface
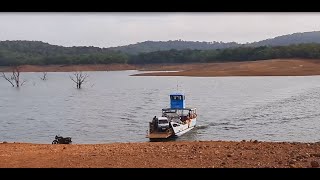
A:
(115, 107)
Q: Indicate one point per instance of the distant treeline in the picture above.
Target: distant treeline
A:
(39, 53)
(152, 46)
(309, 51)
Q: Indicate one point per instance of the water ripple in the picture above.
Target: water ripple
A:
(118, 107)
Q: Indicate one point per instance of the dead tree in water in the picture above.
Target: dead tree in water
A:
(14, 79)
(44, 76)
(79, 78)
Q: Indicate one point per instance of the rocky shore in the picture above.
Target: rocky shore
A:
(196, 154)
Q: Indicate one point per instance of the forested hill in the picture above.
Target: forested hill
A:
(295, 38)
(37, 52)
(40, 53)
(305, 51)
(152, 46)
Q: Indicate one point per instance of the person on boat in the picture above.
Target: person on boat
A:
(154, 121)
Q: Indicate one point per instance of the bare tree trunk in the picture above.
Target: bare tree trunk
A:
(79, 78)
(44, 76)
(14, 79)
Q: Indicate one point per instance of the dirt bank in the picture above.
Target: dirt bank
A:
(207, 154)
(274, 67)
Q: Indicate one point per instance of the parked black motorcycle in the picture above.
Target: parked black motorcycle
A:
(62, 140)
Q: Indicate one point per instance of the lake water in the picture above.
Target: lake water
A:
(115, 107)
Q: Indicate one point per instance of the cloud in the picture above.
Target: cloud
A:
(114, 29)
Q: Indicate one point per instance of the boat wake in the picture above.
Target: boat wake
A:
(201, 127)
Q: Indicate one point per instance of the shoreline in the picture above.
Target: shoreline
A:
(272, 67)
(175, 154)
(179, 154)
(70, 68)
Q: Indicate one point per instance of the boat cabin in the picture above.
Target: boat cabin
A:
(177, 101)
(179, 114)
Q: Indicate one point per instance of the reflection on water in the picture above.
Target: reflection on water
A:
(116, 107)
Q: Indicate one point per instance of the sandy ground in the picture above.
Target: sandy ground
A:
(205, 154)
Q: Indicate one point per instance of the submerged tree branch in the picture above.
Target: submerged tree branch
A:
(6, 78)
(79, 78)
(14, 79)
(44, 76)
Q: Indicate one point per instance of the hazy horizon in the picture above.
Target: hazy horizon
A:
(118, 29)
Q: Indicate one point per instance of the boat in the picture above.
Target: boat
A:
(174, 121)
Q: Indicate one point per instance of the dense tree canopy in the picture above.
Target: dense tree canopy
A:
(35, 52)
(311, 51)
(39, 53)
(152, 46)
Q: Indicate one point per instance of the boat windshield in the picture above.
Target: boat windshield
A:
(163, 121)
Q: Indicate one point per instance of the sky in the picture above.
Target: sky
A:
(116, 29)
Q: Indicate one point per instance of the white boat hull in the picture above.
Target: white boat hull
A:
(180, 129)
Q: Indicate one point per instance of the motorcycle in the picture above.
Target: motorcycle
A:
(62, 140)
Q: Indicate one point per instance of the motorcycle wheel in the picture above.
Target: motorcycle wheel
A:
(55, 142)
